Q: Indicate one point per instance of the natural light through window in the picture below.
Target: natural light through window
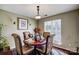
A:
(54, 27)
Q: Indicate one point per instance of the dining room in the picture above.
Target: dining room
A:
(39, 29)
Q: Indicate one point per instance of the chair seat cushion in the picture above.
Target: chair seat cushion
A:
(27, 50)
(41, 49)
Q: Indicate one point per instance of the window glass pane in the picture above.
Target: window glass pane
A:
(47, 26)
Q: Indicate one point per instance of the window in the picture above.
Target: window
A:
(54, 27)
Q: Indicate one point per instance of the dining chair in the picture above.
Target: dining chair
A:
(26, 35)
(47, 47)
(45, 34)
(21, 50)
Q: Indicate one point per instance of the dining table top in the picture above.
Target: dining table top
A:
(33, 42)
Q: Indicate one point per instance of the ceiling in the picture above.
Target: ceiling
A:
(30, 10)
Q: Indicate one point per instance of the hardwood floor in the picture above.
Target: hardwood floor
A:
(66, 51)
(55, 51)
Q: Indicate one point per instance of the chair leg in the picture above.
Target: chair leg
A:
(38, 52)
(50, 53)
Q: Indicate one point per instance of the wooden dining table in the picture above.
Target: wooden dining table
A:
(35, 43)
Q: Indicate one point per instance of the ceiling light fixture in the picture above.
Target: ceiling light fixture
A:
(37, 16)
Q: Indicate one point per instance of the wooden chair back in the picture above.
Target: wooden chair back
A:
(26, 35)
(17, 43)
(49, 42)
(45, 34)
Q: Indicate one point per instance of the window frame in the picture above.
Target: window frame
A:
(55, 41)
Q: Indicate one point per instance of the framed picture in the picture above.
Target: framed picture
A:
(22, 23)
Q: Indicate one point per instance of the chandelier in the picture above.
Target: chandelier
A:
(37, 16)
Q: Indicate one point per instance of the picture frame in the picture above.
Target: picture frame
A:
(22, 24)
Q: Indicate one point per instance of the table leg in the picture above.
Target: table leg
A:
(34, 51)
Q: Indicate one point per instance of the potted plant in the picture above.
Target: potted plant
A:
(3, 40)
(3, 43)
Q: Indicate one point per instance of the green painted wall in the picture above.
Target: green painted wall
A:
(69, 29)
(7, 19)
